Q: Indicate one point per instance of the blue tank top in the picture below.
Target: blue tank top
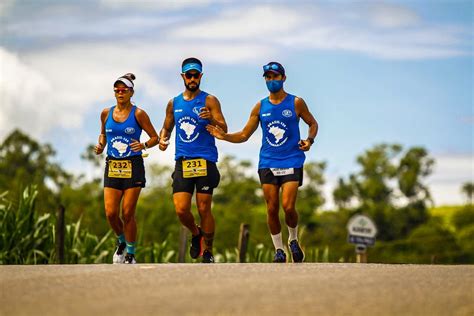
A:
(280, 135)
(120, 135)
(192, 138)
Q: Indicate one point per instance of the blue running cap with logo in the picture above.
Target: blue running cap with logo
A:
(274, 67)
(191, 66)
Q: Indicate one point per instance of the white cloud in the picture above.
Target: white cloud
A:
(259, 22)
(450, 173)
(25, 94)
(5, 6)
(56, 88)
(391, 16)
(87, 27)
(382, 31)
(165, 5)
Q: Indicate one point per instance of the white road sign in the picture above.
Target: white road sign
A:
(362, 230)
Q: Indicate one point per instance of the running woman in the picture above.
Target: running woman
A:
(124, 175)
(196, 156)
(282, 156)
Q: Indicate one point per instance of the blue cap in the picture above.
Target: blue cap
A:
(275, 67)
(191, 66)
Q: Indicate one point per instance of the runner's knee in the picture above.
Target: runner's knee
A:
(272, 209)
(111, 212)
(182, 210)
(128, 214)
(289, 208)
(204, 207)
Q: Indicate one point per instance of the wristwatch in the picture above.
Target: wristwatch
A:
(311, 140)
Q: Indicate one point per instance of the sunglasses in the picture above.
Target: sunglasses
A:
(190, 75)
(122, 90)
(271, 67)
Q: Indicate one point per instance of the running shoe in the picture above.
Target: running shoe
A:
(296, 253)
(207, 257)
(119, 256)
(195, 249)
(280, 256)
(130, 258)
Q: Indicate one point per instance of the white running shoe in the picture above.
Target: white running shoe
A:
(119, 256)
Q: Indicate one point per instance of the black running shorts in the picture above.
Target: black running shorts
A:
(267, 177)
(203, 184)
(137, 178)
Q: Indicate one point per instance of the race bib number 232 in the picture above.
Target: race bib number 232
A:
(120, 169)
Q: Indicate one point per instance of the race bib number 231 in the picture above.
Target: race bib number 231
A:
(194, 168)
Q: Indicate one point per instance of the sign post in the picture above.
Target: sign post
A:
(361, 232)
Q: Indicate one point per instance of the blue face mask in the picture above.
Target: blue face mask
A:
(274, 85)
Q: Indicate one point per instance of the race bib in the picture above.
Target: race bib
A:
(194, 168)
(282, 171)
(120, 169)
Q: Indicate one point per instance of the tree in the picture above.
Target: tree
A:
(343, 194)
(23, 161)
(413, 167)
(371, 183)
(389, 188)
(468, 190)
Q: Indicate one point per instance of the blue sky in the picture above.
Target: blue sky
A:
(371, 72)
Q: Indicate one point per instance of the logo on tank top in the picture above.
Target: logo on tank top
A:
(121, 146)
(187, 128)
(197, 110)
(287, 113)
(129, 130)
(277, 133)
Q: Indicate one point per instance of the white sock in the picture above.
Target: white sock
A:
(293, 233)
(277, 241)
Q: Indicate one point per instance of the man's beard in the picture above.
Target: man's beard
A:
(195, 88)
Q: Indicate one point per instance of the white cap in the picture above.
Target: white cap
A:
(125, 81)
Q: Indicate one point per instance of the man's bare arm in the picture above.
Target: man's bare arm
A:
(244, 134)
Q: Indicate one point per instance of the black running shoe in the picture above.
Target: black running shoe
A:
(130, 258)
(195, 249)
(296, 253)
(207, 257)
(280, 256)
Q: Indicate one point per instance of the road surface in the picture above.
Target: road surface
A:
(237, 289)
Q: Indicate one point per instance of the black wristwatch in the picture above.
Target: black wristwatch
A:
(311, 140)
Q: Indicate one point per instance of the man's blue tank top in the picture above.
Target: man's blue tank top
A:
(192, 138)
(280, 135)
(120, 135)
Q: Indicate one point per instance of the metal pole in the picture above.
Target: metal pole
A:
(361, 253)
(183, 237)
(60, 235)
(243, 241)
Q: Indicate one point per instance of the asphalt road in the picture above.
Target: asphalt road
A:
(237, 289)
